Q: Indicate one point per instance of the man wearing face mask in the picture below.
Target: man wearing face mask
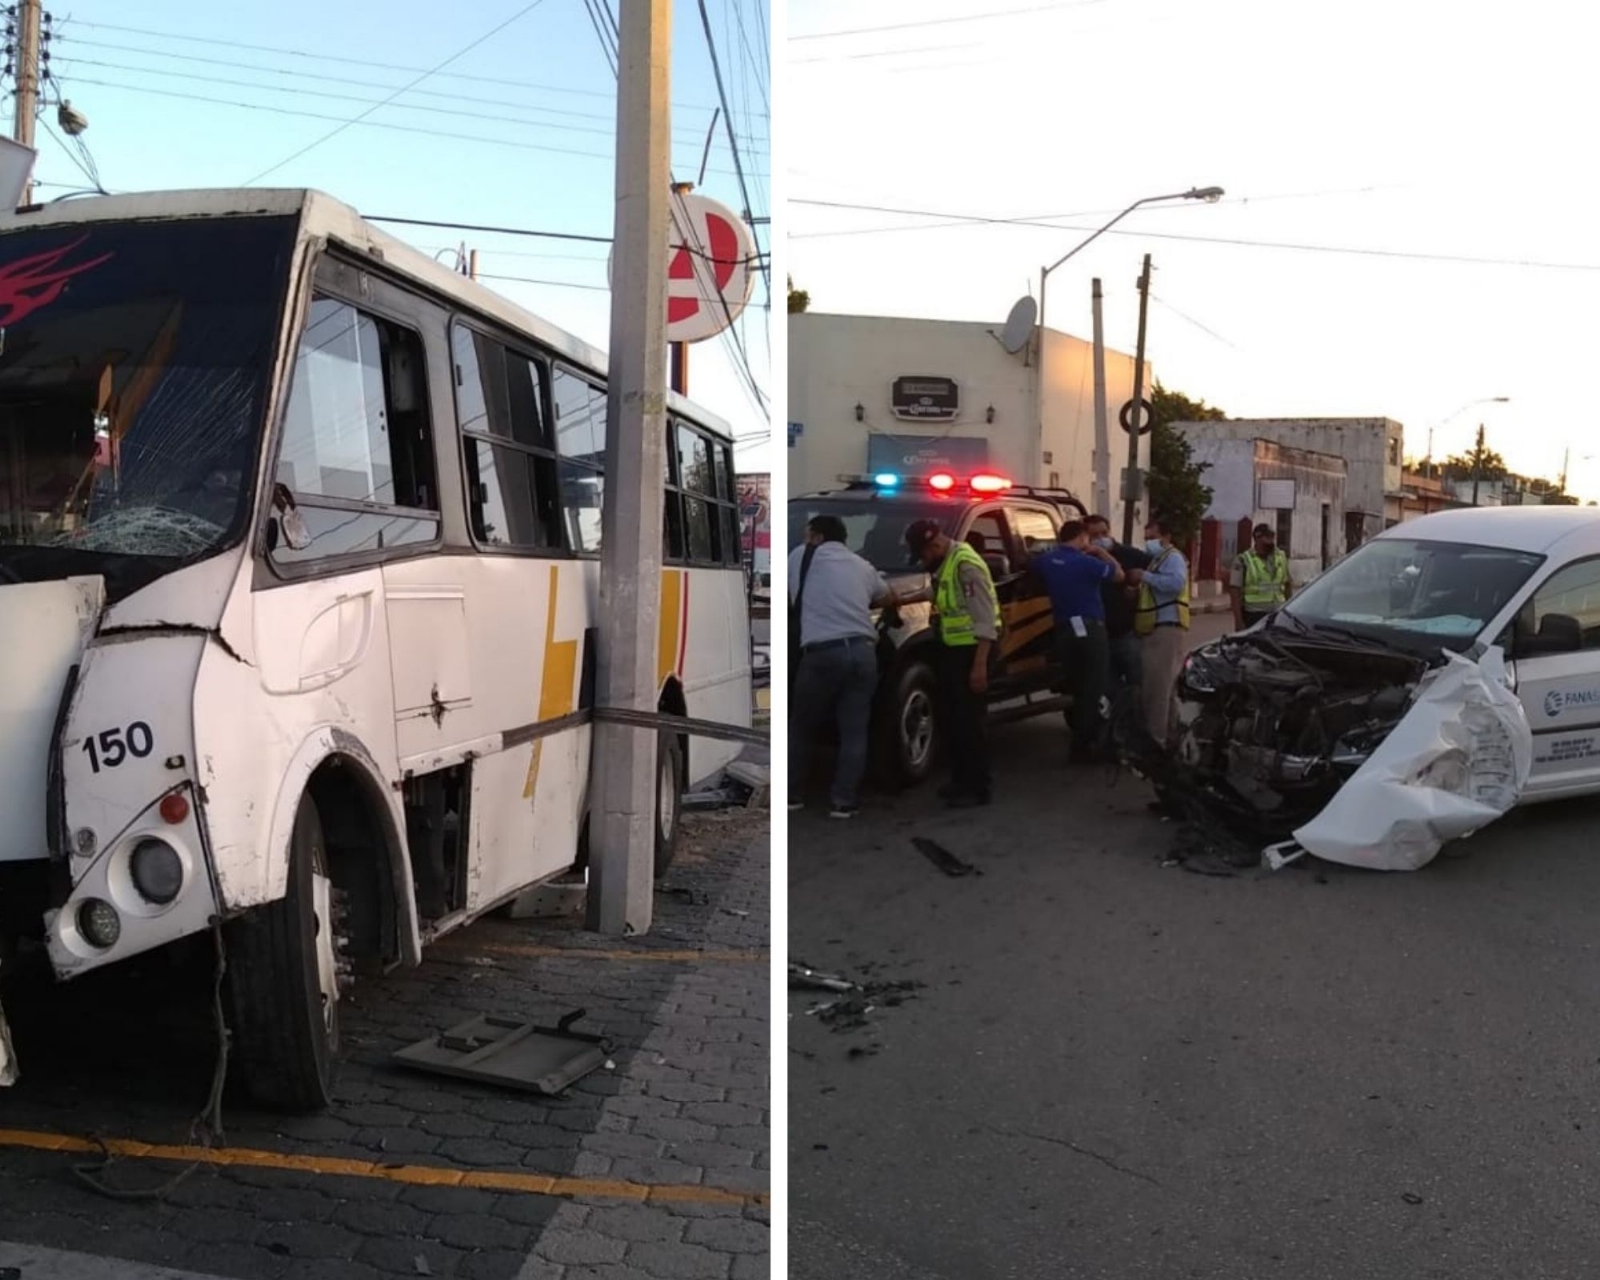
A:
(1127, 667)
(1259, 583)
(1074, 572)
(968, 618)
(1162, 618)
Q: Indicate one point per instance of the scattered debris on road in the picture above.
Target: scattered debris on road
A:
(855, 1000)
(802, 977)
(942, 858)
(510, 1052)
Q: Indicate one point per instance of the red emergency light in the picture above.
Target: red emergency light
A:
(942, 481)
(989, 484)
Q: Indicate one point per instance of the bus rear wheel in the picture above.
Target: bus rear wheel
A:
(283, 974)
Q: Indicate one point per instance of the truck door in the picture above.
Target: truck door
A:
(1557, 669)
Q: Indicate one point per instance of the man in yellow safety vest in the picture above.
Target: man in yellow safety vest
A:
(968, 619)
(1259, 583)
(1161, 618)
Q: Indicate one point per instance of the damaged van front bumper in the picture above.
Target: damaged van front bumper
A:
(1348, 749)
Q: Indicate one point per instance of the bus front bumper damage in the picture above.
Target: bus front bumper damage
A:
(1348, 750)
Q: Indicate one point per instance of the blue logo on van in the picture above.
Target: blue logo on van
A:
(1559, 700)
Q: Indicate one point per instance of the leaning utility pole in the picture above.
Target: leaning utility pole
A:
(1130, 493)
(1102, 432)
(622, 861)
(27, 76)
(1477, 465)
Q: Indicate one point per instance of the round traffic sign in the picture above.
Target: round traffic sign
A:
(1125, 416)
(710, 268)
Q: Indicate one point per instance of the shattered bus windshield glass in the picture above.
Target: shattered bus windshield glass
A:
(1403, 591)
(133, 365)
(874, 531)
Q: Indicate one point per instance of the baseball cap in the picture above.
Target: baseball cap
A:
(919, 533)
(1264, 531)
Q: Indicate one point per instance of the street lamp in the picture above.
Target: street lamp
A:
(1470, 404)
(1208, 194)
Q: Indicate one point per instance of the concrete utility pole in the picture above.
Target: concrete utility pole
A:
(1477, 465)
(29, 13)
(1102, 431)
(1131, 491)
(622, 861)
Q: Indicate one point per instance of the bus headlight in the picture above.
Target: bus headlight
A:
(157, 871)
(99, 923)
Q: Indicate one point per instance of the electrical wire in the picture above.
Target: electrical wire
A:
(727, 118)
(76, 42)
(1206, 329)
(939, 22)
(454, 57)
(322, 57)
(453, 135)
(499, 117)
(1355, 250)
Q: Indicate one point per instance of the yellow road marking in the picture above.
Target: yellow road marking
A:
(586, 953)
(416, 1175)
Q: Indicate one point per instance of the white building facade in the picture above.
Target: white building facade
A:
(869, 394)
(1373, 450)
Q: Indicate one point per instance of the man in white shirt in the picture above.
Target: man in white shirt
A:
(833, 592)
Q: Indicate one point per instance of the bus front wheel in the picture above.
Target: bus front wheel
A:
(283, 981)
(670, 770)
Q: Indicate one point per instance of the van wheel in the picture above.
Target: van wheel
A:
(908, 728)
(283, 975)
(670, 772)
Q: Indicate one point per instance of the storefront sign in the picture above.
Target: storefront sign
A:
(920, 455)
(925, 399)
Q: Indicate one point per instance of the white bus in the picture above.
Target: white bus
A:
(299, 559)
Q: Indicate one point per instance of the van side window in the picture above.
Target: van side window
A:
(356, 458)
(510, 463)
(1570, 593)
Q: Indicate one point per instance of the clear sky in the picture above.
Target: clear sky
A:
(518, 132)
(1412, 127)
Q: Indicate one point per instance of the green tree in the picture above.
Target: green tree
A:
(1463, 466)
(1174, 481)
(799, 299)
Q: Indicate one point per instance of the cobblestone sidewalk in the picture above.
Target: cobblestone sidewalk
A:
(658, 1169)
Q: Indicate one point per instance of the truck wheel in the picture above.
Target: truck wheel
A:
(908, 730)
(283, 981)
(669, 794)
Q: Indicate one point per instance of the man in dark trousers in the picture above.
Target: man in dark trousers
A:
(833, 592)
(968, 620)
(1127, 668)
(1075, 573)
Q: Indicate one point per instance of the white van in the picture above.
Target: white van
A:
(1272, 722)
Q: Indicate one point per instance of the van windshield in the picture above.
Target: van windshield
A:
(134, 360)
(875, 530)
(1416, 594)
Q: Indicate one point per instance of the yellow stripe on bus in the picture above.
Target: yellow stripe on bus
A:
(669, 624)
(415, 1175)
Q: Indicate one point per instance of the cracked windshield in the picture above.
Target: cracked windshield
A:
(133, 364)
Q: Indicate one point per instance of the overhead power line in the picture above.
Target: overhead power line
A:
(727, 118)
(1418, 255)
(365, 124)
(498, 116)
(939, 22)
(65, 29)
(454, 57)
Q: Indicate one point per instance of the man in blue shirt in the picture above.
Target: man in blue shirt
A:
(1074, 574)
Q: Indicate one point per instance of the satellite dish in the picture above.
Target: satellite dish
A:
(1019, 325)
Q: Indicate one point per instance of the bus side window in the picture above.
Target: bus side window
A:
(511, 468)
(356, 454)
(581, 442)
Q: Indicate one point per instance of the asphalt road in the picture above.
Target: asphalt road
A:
(1119, 1069)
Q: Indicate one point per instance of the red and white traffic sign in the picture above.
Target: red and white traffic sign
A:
(710, 268)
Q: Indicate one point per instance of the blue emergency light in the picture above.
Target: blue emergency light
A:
(886, 480)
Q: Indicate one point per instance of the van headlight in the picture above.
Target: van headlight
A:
(1198, 675)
